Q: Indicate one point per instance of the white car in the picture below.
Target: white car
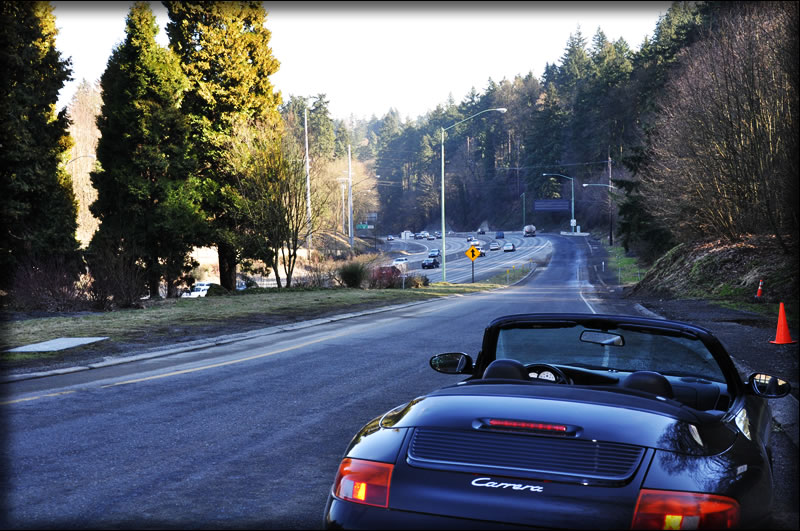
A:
(390, 238)
(509, 247)
(400, 263)
(494, 246)
(200, 289)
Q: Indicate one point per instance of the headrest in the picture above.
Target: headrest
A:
(506, 369)
(649, 381)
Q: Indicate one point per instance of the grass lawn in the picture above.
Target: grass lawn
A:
(165, 317)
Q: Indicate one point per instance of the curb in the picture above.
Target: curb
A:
(206, 343)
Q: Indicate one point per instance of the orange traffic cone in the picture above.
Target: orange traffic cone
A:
(760, 285)
(782, 336)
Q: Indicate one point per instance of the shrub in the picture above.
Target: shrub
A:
(117, 277)
(353, 274)
(417, 281)
(322, 273)
(386, 277)
(47, 284)
(215, 290)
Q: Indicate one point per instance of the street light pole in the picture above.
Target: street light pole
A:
(342, 181)
(350, 196)
(308, 180)
(523, 211)
(610, 213)
(444, 232)
(572, 188)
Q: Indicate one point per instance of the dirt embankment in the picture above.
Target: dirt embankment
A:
(714, 284)
(719, 270)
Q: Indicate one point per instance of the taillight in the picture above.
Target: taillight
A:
(663, 509)
(364, 482)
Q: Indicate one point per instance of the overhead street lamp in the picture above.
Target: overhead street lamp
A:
(444, 232)
(572, 187)
(80, 157)
(610, 213)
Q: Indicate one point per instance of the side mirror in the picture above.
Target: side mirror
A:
(768, 386)
(452, 363)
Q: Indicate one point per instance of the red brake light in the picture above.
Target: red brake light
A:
(364, 482)
(521, 424)
(662, 509)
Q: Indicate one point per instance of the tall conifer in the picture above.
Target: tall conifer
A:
(145, 202)
(37, 205)
(224, 51)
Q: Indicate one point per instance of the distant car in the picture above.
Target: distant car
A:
(438, 235)
(431, 237)
(401, 260)
(430, 263)
(418, 236)
(434, 253)
(499, 235)
(481, 231)
(509, 247)
(200, 289)
(390, 238)
(470, 238)
(481, 250)
(494, 246)
(566, 421)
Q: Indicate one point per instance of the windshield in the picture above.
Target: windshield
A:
(635, 351)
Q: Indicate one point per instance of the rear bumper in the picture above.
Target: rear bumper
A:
(347, 515)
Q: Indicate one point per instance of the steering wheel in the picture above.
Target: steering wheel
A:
(547, 373)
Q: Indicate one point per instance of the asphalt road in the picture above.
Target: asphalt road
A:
(248, 434)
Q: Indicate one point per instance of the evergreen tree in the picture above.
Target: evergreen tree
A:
(343, 139)
(36, 198)
(294, 119)
(224, 51)
(321, 135)
(144, 198)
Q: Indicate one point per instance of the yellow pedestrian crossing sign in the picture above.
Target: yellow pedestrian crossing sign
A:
(472, 253)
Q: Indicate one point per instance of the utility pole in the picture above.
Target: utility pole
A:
(350, 196)
(610, 212)
(342, 184)
(308, 180)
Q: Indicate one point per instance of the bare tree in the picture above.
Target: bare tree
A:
(83, 111)
(271, 181)
(722, 156)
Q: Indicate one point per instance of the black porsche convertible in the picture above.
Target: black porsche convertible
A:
(570, 421)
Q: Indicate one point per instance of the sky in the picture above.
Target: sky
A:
(369, 57)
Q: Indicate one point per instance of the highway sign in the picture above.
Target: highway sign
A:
(472, 253)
